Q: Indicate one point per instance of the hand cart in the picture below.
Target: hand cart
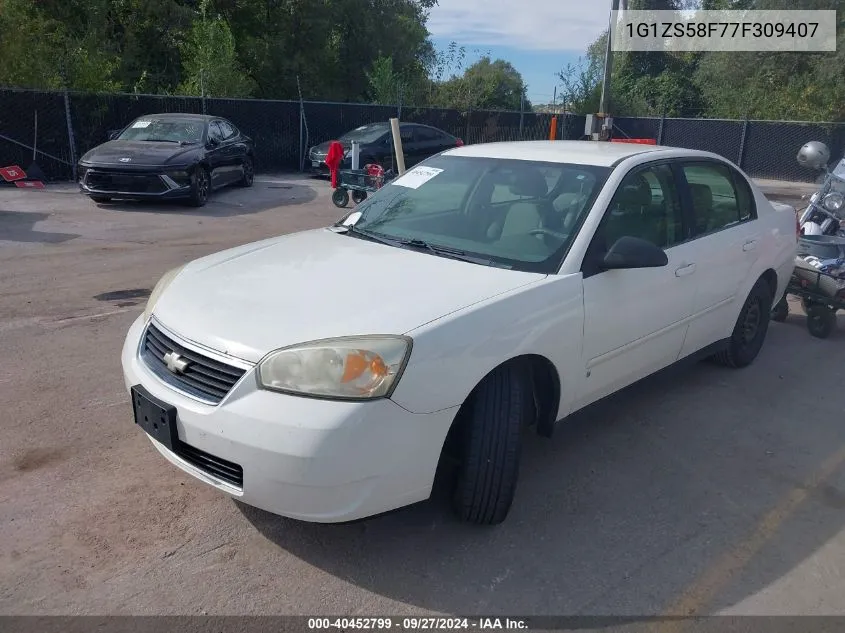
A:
(360, 182)
(821, 294)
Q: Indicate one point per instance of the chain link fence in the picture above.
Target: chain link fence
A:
(53, 129)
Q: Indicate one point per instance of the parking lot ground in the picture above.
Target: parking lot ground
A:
(700, 490)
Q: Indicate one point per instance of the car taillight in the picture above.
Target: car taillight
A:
(459, 143)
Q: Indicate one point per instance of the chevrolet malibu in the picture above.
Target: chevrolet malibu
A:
(494, 288)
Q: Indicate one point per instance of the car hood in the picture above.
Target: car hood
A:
(318, 284)
(141, 153)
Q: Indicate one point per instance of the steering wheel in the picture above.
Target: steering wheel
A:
(549, 232)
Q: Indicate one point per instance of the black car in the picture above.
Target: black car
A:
(376, 142)
(166, 156)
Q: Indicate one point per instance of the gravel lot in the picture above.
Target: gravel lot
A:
(699, 490)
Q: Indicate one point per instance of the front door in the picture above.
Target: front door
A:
(635, 320)
(216, 155)
(727, 234)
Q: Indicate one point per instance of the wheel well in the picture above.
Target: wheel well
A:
(771, 278)
(545, 386)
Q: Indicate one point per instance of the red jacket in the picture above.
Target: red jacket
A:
(333, 158)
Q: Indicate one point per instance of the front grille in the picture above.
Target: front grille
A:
(216, 466)
(124, 182)
(204, 378)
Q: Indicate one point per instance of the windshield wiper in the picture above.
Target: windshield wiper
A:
(160, 140)
(416, 243)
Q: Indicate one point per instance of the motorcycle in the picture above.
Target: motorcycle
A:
(825, 212)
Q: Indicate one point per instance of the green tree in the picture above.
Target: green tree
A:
(209, 59)
(485, 85)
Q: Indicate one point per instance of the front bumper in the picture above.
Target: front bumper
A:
(304, 458)
(153, 184)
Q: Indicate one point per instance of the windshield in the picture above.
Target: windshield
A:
(365, 134)
(513, 213)
(166, 130)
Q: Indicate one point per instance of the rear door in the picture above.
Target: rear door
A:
(727, 238)
(411, 146)
(231, 152)
(635, 321)
(432, 141)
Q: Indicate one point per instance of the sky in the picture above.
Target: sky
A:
(539, 37)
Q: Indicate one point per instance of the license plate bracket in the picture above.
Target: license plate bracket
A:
(157, 418)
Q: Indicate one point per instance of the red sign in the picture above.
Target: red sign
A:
(12, 173)
(643, 141)
(29, 184)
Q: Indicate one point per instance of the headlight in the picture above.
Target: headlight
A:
(159, 289)
(833, 202)
(348, 368)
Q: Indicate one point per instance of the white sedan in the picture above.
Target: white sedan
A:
(323, 375)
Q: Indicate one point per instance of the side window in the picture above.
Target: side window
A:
(717, 201)
(407, 134)
(226, 129)
(646, 205)
(214, 131)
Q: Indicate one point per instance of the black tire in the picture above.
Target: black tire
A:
(340, 198)
(359, 196)
(781, 310)
(100, 199)
(750, 330)
(820, 321)
(499, 409)
(200, 187)
(248, 177)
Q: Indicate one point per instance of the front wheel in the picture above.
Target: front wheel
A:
(750, 329)
(497, 413)
(200, 187)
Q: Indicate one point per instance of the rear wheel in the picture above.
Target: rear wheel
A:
(751, 327)
(249, 173)
(497, 412)
(200, 187)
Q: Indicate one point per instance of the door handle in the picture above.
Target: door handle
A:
(750, 245)
(685, 270)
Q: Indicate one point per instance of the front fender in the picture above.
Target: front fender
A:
(453, 354)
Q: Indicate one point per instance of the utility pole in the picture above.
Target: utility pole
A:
(599, 126)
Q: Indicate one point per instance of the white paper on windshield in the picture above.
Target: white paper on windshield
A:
(414, 178)
(141, 123)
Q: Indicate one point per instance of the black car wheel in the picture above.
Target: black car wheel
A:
(750, 330)
(200, 187)
(249, 173)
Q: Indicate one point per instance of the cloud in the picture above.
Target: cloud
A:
(541, 25)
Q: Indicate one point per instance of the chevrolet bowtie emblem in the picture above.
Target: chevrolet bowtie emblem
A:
(175, 363)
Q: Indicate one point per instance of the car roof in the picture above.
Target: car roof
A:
(598, 153)
(179, 115)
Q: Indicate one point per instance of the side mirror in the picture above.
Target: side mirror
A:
(113, 134)
(634, 252)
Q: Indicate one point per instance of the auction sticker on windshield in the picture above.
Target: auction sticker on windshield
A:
(141, 123)
(414, 178)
